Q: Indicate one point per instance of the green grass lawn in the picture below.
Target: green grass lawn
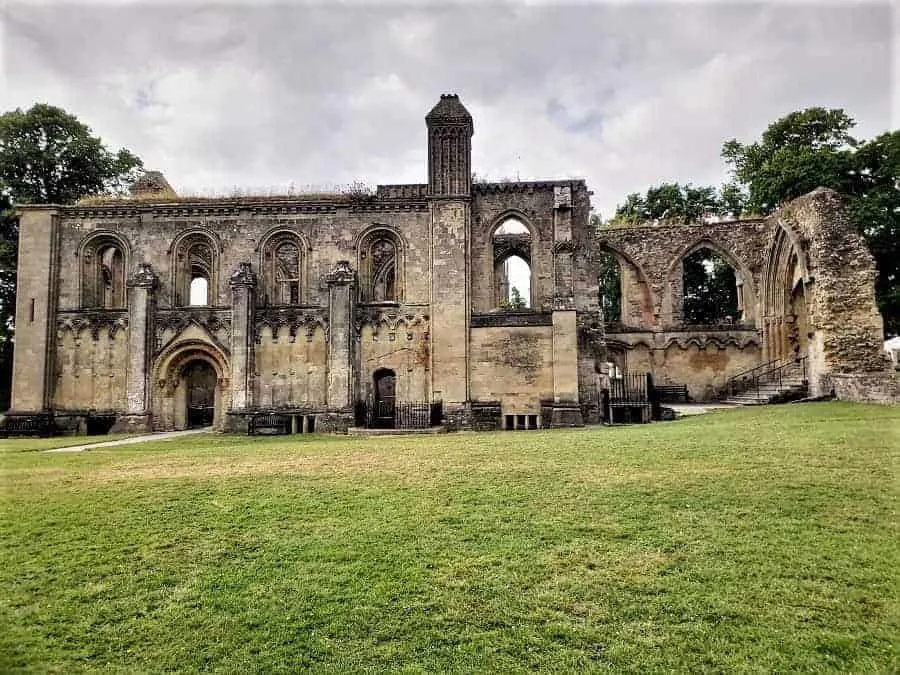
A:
(759, 540)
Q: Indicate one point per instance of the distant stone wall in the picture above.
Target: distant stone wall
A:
(869, 387)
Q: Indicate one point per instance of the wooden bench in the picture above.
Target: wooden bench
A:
(269, 423)
(27, 425)
(672, 393)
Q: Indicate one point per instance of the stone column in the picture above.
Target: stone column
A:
(243, 305)
(141, 315)
(566, 407)
(341, 303)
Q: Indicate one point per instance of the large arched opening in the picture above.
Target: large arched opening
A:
(511, 243)
(191, 387)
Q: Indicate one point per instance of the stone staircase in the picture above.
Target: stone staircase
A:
(773, 382)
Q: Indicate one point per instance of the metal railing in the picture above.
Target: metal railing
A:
(398, 415)
(770, 374)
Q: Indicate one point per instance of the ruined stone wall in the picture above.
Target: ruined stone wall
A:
(883, 387)
(290, 370)
(403, 348)
(845, 328)
(513, 365)
(655, 253)
(331, 233)
(89, 367)
(535, 205)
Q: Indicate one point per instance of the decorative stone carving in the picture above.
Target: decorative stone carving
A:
(243, 275)
(392, 318)
(111, 321)
(562, 197)
(506, 245)
(293, 319)
(341, 274)
(144, 276)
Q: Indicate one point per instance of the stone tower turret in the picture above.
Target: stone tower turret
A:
(450, 132)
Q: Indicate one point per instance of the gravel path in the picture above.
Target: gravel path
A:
(162, 436)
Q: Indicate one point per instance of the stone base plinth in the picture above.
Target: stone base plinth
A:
(566, 415)
(133, 424)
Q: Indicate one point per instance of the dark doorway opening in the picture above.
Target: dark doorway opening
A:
(200, 379)
(385, 398)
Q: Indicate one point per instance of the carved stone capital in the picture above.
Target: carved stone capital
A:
(341, 275)
(243, 276)
(564, 246)
(143, 277)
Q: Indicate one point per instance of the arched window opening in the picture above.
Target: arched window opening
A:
(511, 226)
(287, 274)
(710, 294)
(513, 276)
(199, 294)
(511, 244)
(379, 270)
(609, 283)
(195, 272)
(103, 279)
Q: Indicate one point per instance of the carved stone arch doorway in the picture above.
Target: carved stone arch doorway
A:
(192, 387)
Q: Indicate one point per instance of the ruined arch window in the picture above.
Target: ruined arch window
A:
(511, 244)
(103, 274)
(283, 271)
(609, 283)
(710, 293)
(380, 271)
(196, 264)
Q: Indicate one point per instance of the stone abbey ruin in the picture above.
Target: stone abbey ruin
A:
(156, 314)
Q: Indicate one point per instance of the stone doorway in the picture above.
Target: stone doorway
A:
(200, 382)
(385, 398)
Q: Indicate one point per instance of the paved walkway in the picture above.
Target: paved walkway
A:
(162, 436)
(684, 409)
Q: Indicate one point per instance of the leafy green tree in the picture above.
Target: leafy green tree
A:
(813, 148)
(673, 201)
(47, 156)
(610, 282)
(802, 151)
(710, 289)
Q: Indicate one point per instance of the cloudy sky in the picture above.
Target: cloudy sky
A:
(263, 96)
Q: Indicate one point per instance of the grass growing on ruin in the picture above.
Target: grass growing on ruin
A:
(759, 539)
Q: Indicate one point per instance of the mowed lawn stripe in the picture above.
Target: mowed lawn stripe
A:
(754, 540)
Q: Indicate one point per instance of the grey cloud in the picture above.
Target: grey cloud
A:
(623, 95)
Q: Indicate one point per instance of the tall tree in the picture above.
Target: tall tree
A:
(673, 201)
(813, 148)
(47, 156)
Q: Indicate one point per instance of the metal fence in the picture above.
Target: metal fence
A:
(630, 399)
(400, 415)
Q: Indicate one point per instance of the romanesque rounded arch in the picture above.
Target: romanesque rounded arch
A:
(195, 254)
(284, 267)
(173, 382)
(105, 258)
(381, 261)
